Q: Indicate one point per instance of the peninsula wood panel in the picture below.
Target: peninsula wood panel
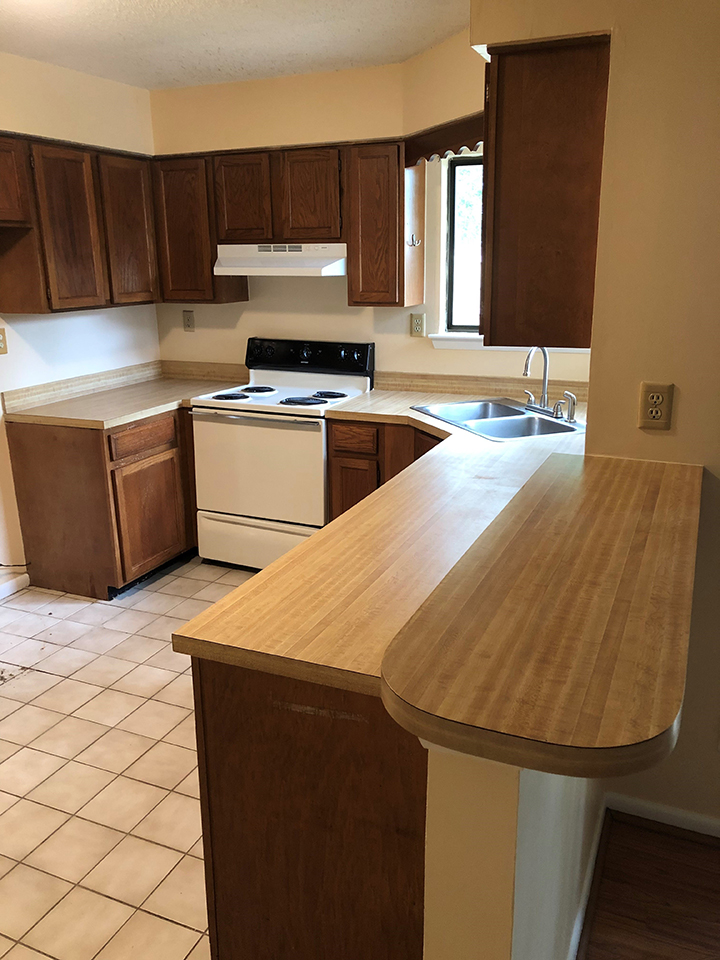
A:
(351, 480)
(15, 196)
(566, 623)
(243, 197)
(128, 207)
(66, 191)
(311, 194)
(313, 806)
(543, 164)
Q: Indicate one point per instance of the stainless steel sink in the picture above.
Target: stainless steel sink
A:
(498, 418)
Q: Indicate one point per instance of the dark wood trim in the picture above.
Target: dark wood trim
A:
(205, 809)
(488, 200)
(463, 132)
(552, 43)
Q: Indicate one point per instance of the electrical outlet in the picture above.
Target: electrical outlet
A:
(3, 340)
(189, 321)
(655, 411)
(417, 324)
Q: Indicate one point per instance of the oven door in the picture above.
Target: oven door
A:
(260, 465)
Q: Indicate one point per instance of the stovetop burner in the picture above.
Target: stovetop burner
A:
(231, 396)
(259, 390)
(302, 401)
(329, 394)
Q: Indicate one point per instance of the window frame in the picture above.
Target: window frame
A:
(461, 160)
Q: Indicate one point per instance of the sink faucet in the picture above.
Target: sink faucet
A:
(526, 373)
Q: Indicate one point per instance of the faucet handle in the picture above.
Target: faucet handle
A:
(557, 409)
(572, 403)
(531, 396)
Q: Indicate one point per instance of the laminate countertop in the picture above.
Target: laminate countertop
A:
(517, 601)
(104, 409)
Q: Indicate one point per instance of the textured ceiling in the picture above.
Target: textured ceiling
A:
(164, 43)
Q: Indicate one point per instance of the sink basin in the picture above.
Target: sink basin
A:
(498, 418)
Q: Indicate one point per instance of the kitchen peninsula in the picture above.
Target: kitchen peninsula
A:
(313, 796)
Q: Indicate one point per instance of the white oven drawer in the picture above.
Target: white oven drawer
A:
(263, 465)
(249, 543)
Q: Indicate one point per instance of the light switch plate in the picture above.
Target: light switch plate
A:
(417, 325)
(3, 340)
(189, 321)
(656, 401)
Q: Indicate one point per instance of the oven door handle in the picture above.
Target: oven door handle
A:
(256, 418)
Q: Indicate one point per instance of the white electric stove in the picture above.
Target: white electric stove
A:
(260, 448)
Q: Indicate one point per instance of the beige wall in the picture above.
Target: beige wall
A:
(657, 301)
(48, 101)
(362, 104)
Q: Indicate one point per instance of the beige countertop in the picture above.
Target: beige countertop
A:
(113, 408)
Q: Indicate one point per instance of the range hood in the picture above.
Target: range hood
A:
(281, 260)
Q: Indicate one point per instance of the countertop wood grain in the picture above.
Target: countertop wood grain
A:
(112, 408)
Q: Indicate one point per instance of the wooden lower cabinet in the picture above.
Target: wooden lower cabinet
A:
(351, 481)
(313, 805)
(99, 508)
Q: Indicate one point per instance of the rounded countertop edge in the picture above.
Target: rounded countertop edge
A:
(562, 759)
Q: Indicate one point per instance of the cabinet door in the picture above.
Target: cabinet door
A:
(70, 226)
(127, 203)
(350, 482)
(424, 443)
(14, 182)
(150, 512)
(373, 245)
(183, 229)
(311, 194)
(242, 196)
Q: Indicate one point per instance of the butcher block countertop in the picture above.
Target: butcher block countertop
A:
(517, 601)
(113, 408)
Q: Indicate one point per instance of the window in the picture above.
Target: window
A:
(464, 254)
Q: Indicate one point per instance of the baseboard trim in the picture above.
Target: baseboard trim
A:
(12, 581)
(672, 816)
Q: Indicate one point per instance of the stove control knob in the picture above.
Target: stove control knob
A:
(357, 356)
(342, 353)
(269, 350)
(305, 353)
(255, 350)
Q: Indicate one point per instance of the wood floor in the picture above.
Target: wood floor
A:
(656, 894)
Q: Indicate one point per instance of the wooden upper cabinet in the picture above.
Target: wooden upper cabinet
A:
(311, 194)
(242, 197)
(545, 123)
(15, 199)
(70, 226)
(183, 229)
(127, 202)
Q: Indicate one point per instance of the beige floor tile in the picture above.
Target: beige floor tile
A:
(236, 577)
(29, 685)
(94, 615)
(6, 865)
(124, 599)
(156, 583)
(25, 895)
(65, 606)
(8, 616)
(116, 750)
(100, 640)
(27, 768)
(25, 826)
(137, 649)
(165, 765)
(104, 670)
(21, 952)
(191, 608)
(144, 681)
(73, 850)
(162, 628)
(79, 926)
(6, 801)
(27, 600)
(8, 641)
(153, 719)
(132, 870)
(122, 804)
(27, 723)
(207, 572)
(8, 671)
(181, 587)
(184, 734)
(179, 692)
(62, 632)
(109, 707)
(190, 786)
(156, 603)
(168, 659)
(181, 896)
(69, 737)
(201, 951)
(7, 749)
(190, 565)
(175, 823)
(67, 696)
(215, 592)
(145, 936)
(71, 787)
(5, 945)
(7, 706)
(29, 652)
(29, 624)
(196, 850)
(66, 661)
(130, 620)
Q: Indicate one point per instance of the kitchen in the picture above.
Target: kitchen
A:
(218, 327)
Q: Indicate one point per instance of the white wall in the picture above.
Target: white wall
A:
(44, 349)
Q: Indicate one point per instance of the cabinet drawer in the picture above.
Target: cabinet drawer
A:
(354, 438)
(142, 437)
